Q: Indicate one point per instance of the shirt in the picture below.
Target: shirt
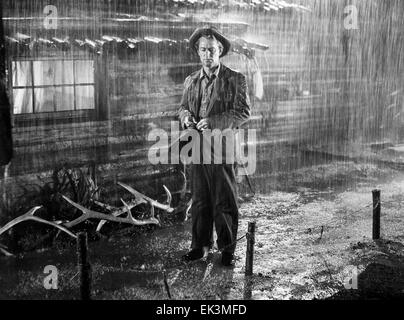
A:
(206, 90)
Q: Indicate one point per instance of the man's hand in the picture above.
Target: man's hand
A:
(204, 124)
(189, 122)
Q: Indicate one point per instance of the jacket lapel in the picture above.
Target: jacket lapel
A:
(194, 95)
(197, 100)
(216, 89)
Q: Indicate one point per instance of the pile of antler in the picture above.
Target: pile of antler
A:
(115, 215)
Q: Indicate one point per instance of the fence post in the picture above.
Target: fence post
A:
(376, 214)
(250, 249)
(166, 284)
(84, 266)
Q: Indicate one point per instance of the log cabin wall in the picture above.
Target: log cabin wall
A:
(309, 79)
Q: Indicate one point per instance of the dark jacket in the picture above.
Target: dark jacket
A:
(229, 106)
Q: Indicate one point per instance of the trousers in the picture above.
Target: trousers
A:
(214, 201)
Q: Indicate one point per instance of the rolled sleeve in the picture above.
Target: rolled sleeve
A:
(184, 110)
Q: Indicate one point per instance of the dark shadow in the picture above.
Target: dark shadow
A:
(202, 279)
(247, 289)
(383, 278)
(115, 280)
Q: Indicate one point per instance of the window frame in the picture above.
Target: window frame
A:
(33, 86)
(98, 113)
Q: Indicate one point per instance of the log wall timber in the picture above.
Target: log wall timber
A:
(315, 91)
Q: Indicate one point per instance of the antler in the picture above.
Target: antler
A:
(169, 197)
(30, 216)
(183, 190)
(116, 212)
(139, 198)
(5, 252)
(187, 214)
(90, 214)
(139, 195)
(140, 222)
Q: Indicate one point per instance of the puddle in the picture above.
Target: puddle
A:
(306, 237)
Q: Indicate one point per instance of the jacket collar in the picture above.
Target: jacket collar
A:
(216, 72)
(195, 79)
(221, 71)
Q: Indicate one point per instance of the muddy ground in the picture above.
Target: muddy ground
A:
(314, 231)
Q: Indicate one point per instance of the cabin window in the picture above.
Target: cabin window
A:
(52, 85)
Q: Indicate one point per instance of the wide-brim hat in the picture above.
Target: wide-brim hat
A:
(210, 31)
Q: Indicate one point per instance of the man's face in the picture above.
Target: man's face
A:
(209, 52)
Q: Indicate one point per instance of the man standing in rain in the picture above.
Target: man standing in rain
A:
(215, 97)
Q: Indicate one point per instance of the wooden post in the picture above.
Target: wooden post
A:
(6, 140)
(93, 175)
(84, 266)
(247, 291)
(376, 214)
(250, 249)
(166, 285)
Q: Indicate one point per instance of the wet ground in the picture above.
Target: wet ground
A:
(314, 233)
